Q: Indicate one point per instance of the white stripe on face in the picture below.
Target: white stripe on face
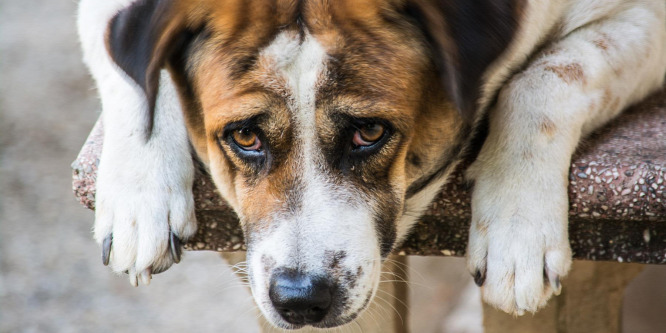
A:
(330, 218)
(300, 66)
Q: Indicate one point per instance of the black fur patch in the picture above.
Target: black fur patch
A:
(466, 37)
(137, 43)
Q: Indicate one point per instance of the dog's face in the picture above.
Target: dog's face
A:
(308, 141)
(317, 122)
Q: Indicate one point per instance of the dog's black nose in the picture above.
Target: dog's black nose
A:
(300, 298)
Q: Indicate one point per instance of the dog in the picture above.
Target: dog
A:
(329, 126)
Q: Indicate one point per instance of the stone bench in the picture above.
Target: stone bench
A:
(617, 194)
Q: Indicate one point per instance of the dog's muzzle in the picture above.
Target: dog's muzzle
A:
(300, 298)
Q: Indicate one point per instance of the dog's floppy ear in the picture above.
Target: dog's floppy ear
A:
(141, 38)
(466, 37)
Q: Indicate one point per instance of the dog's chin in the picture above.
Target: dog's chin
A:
(323, 325)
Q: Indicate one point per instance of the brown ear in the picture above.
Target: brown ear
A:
(466, 37)
(140, 39)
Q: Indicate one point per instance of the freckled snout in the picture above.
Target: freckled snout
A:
(300, 298)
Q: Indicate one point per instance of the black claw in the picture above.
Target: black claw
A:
(558, 285)
(479, 278)
(106, 249)
(176, 250)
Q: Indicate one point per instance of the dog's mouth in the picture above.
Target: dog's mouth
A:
(342, 320)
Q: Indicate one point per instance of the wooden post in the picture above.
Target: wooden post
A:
(591, 302)
(386, 314)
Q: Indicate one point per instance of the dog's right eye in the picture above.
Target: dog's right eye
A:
(246, 139)
(368, 134)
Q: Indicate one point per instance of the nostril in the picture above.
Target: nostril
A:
(298, 297)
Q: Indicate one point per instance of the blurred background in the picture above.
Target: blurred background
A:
(51, 277)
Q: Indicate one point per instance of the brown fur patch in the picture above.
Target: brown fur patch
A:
(527, 154)
(603, 41)
(569, 73)
(552, 51)
(615, 104)
(510, 279)
(547, 127)
(481, 227)
(606, 99)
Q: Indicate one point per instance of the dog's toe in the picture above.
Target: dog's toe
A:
(181, 215)
(529, 290)
(145, 276)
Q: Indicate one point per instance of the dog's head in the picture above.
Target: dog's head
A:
(323, 123)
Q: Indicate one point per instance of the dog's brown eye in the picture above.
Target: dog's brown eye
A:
(368, 134)
(246, 139)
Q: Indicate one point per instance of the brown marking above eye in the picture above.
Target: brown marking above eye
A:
(368, 134)
(246, 139)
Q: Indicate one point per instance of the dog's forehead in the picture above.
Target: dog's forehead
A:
(361, 47)
(294, 63)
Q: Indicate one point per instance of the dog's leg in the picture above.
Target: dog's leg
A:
(144, 188)
(518, 243)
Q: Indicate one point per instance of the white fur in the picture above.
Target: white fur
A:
(143, 188)
(520, 204)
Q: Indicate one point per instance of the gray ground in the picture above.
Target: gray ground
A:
(51, 279)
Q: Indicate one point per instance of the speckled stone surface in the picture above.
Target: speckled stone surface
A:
(617, 196)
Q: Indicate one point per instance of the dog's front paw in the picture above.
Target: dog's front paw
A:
(142, 213)
(518, 244)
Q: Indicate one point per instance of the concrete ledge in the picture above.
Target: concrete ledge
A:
(617, 196)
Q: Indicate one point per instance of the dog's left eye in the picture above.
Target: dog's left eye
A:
(246, 139)
(368, 134)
